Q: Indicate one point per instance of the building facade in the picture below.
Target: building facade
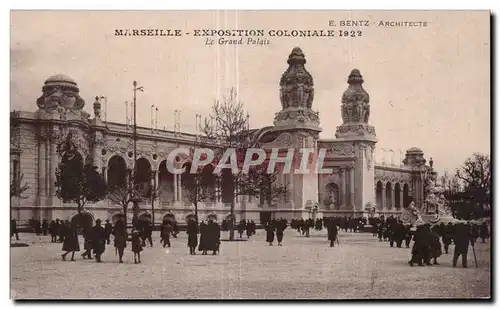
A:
(357, 186)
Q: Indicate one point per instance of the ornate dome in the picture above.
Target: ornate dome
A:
(60, 78)
(414, 149)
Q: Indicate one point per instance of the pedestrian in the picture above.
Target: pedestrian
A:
(213, 233)
(120, 238)
(98, 240)
(192, 231)
(45, 227)
(136, 246)
(483, 231)
(435, 244)
(269, 233)
(204, 238)
(447, 236)
(332, 232)
(109, 229)
(70, 243)
(280, 228)
(166, 230)
(87, 243)
(13, 229)
(461, 238)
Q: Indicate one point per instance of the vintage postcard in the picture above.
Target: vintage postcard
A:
(250, 155)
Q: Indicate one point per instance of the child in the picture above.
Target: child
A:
(136, 246)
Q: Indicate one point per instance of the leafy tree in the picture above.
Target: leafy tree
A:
(17, 187)
(78, 182)
(227, 128)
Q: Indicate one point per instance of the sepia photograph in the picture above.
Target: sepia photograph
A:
(250, 155)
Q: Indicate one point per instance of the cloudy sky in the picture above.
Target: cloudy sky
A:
(429, 86)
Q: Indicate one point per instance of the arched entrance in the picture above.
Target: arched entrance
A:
(379, 191)
(388, 195)
(169, 217)
(116, 217)
(212, 217)
(331, 200)
(117, 172)
(406, 195)
(190, 217)
(165, 183)
(227, 185)
(397, 195)
(188, 183)
(208, 183)
(83, 220)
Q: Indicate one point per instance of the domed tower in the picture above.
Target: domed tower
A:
(61, 99)
(296, 96)
(355, 109)
(296, 126)
(355, 129)
(415, 159)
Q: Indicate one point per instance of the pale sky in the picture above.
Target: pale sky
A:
(429, 87)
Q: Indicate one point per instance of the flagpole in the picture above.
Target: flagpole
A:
(135, 121)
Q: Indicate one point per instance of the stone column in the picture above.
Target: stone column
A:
(393, 197)
(384, 202)
(41, 168)
(343, 172)
(175, 187)
(351, 189)
(179, 184)
(105, 174)
(54, 160)
(401, 196)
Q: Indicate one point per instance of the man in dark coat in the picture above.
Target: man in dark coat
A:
(213, 233)
(204, 238)
(483, 231)
(269, 233)
(165, 231)
(98, 240)
(45, 227)
(109, 229)
(434, 244)
(192, 231)
(461, 238)
(53, 227)
(332, 232)
(13, 229)
(120, 236)
(447, 236)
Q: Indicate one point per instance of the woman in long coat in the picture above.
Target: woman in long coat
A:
(70, 243)
(204, 238)
(87, 244)
(280, 228)
(120, 236)
(192, 231)
(269, 233)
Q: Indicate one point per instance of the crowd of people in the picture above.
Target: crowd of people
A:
(426, 239)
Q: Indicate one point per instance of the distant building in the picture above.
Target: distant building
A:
(357, 187)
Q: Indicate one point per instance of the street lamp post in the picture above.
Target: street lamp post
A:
(135, 202)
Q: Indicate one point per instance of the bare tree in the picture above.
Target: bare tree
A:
(475, 174)
(227, 128)
(198, 187)
(125, 194)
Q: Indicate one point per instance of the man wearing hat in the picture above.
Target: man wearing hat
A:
(98, 239)
(108, 228)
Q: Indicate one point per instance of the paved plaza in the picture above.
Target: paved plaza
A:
(303, 268)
